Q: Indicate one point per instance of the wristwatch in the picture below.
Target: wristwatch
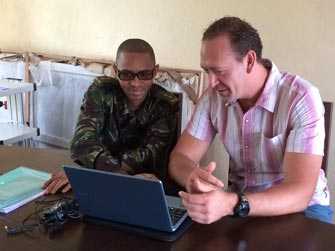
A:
(242, 207)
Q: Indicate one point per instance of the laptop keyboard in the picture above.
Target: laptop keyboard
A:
(176, 214)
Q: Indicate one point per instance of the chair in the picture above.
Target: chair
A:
(170, 186)
(179, 114)
(328, 122)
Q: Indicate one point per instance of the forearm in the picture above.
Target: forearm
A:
(86, 151)
(150, 158)
(282, 199)
(180, 168)
(295, 192)
(85, 148)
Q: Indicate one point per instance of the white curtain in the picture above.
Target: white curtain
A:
(60, 90)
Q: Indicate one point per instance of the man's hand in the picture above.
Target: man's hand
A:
(57, 182)
(149, 176)
(202, 180)
(208, 207)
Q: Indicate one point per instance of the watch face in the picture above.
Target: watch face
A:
(242, 208)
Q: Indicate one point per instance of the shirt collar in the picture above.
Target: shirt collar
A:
(268, 98)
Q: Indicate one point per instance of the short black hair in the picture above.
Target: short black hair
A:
(243, 37)
(136, 45)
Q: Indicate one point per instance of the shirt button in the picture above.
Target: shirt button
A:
(246, 147)
(247, 120)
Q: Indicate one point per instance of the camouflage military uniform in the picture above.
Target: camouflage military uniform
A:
(110, 136)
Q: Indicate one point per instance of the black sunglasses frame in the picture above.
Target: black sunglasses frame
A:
(135, 74)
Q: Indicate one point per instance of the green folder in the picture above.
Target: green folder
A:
(19, 186)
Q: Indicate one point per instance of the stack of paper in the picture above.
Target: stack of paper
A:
(20, 186)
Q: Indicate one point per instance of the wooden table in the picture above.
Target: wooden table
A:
(284, 233)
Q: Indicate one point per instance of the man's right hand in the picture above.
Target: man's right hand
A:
(58, 181)
(202, 180)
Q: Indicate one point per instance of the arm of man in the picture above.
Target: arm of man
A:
(302, 160)
(301, 167)
(293, 195)
(85, 146)
(184, 165)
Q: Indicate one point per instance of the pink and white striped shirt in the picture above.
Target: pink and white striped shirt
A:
(287, 117)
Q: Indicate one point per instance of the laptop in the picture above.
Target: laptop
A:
(133, 201)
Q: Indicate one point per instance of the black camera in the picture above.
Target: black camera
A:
(53, 218)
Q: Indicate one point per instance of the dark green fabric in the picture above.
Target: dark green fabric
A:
(110, 136)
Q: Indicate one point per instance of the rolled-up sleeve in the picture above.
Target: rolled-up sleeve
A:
(308, 133)
(200, 126)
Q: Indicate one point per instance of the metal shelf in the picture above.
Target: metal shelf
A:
(10, 87)
(15, 130)
(11, 133)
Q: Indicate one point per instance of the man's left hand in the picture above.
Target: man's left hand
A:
(209, 207)
(57, 182)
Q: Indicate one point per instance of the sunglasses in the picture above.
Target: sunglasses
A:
(126, 75)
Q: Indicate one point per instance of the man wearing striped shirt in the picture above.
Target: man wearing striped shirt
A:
(271, 124)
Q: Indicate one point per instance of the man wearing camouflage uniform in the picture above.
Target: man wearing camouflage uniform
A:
(126, 124)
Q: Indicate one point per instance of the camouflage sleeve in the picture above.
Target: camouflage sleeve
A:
(86, 147)
(153, 154)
